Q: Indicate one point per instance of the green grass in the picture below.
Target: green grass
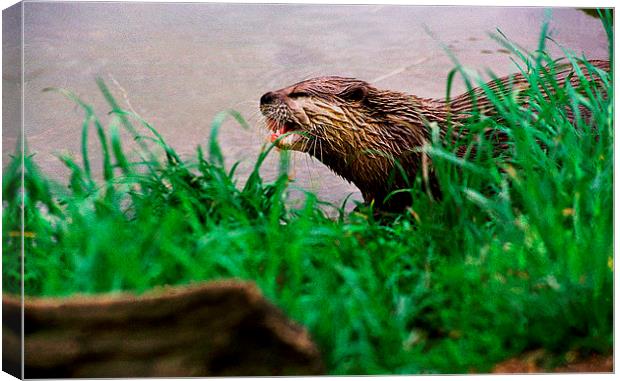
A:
(516, 255)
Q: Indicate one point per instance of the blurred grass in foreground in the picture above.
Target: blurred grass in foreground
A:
(517, 255)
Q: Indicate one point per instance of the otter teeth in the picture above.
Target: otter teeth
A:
(278, 129)
(273, 125)
(278, 133)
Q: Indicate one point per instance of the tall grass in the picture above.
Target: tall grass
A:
(516, 255)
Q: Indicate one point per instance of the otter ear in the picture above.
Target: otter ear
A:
(355, 93)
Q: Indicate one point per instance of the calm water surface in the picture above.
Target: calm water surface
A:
(177, 65)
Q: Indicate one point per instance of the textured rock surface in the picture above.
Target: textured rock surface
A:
(534, 362)
(221, 328)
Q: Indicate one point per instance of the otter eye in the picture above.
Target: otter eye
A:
(297, 94)
(355, 94)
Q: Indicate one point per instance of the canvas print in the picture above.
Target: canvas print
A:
(227, 189)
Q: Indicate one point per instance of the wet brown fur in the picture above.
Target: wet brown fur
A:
(359, 131)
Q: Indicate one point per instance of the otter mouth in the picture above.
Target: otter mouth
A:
(281, 128)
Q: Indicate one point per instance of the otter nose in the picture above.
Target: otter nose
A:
(268, 97)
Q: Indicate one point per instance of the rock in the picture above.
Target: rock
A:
(220, 328)
(534, 362)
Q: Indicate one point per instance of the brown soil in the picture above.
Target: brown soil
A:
(221, 328)
(533, 362)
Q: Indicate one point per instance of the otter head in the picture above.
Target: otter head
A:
(355, 129)
(320, 114)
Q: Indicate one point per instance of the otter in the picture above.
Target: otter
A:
(361, 132)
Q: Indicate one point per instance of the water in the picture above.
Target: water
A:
(177, 65)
